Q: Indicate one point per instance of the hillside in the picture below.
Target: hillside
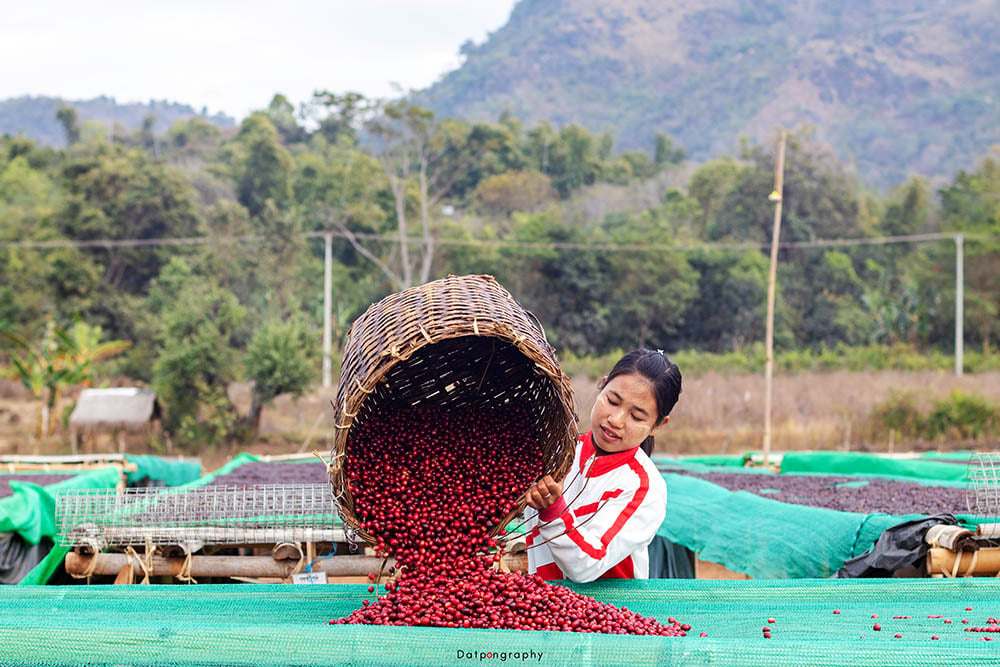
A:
(35, 117)
(897, 87)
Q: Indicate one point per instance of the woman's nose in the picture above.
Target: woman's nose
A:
(617, 418)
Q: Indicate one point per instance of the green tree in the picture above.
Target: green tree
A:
(197, 361)
(282, 115)
(278, 360)
(28, 195)
(340, 115)
(422, 165)
(261, 166)
(650, 292)
(827, 300)
(711, 185)
(729, 311)
(821, 199)
(574, 161)
(120, 194)
(665, 152)
(971, 204)
(502, 194)
(68, 118)
(563, 287)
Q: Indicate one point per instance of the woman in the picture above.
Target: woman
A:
(598, 522)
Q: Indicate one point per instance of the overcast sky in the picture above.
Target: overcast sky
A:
(233, 56)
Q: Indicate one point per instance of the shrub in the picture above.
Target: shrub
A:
(963, 415)
(899, 412)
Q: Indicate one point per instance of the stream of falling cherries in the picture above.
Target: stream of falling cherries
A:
(429, 485)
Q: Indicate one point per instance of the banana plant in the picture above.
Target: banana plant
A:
(83, 347)
(58, 359)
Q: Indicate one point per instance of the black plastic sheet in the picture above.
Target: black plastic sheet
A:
(897, 547)
(17, 557)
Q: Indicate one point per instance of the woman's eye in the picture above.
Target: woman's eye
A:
(637, 418)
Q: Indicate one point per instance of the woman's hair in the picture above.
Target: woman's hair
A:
(662, 373)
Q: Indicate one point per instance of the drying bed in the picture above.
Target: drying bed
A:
(285, 625)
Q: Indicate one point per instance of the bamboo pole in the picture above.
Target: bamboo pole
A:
(80, 458)
(981, 563)
(775, 196)
(110, 564)
(959, 302)
(327, 306)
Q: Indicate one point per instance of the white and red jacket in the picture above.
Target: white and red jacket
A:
(610, 510)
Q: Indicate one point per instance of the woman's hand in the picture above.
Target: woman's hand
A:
(544, 493)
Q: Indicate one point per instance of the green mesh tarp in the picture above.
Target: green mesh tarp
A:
(717, 460)
(854, 463)
(30, 511)
(286, 625)
(961, 455)
(170, 472)
(37, 510)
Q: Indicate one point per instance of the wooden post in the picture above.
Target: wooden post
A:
(327, 307)
(959, 302)
(775, 196)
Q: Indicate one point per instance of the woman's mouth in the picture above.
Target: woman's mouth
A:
(609, 435)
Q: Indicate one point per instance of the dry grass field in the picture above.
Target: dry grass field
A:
(717, 414)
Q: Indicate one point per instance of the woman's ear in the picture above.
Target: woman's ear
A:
(664, 421)
(604, 381)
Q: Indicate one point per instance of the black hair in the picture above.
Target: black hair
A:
(662, 373)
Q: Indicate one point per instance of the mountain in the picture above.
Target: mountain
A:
(897, 87)
(35, 117)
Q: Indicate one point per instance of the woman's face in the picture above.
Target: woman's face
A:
(624, 413)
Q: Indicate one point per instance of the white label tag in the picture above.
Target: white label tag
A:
(309, 578)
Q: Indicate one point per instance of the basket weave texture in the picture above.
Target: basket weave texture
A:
(458, 342)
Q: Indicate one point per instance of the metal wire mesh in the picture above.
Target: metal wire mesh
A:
(982, 492)
(263, 514)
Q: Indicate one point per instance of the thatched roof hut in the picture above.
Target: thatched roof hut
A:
(126, 408)
(117, 410)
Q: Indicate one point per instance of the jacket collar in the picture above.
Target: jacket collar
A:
(605, 463)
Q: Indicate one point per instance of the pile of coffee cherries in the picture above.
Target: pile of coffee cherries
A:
(429, 486)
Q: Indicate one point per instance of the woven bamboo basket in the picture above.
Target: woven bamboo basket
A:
(459, 342)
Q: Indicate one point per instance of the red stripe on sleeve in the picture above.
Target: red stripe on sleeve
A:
(616, 527)
(592, 507)
(633, 505)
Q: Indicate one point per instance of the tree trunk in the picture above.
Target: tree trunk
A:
(53, 411)
(428, 258)
(399, 195)
(251, 423)
(43, 421)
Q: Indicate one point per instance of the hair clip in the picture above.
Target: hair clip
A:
(661, 353)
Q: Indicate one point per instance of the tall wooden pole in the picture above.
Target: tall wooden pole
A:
(327, 307)
(959, 301)
(775, 196)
